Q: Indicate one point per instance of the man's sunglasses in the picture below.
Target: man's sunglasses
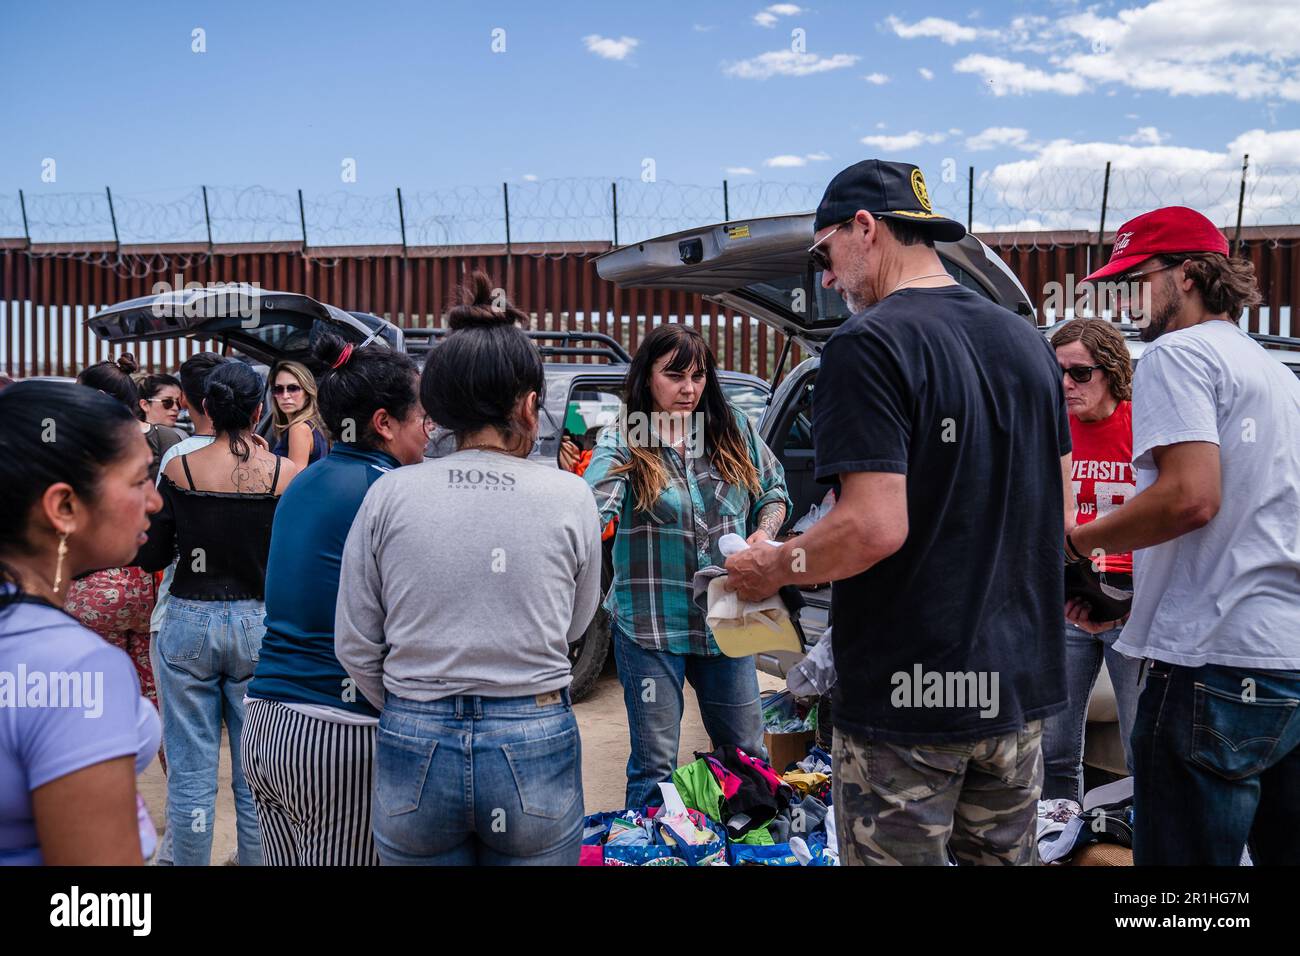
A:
(1138, 274)
(286, 389)
(1081, 373)
(167, 403)
(819, 258)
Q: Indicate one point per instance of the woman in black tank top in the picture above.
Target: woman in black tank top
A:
(218, 505)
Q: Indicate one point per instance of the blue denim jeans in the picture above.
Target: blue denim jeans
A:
(1217, 757)
(207, 651)
(486, 781)
(726, 687)
(1063, 733)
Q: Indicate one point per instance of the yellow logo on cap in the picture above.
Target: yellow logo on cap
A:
(918, 187)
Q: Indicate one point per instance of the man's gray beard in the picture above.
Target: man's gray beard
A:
(855, 302)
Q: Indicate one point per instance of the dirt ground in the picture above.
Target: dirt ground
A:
(602, 722)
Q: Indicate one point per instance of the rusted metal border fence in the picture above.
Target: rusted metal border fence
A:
(47, 292)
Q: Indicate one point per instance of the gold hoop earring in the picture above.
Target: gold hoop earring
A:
(58, 567)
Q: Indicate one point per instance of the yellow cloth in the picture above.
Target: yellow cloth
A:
(805, 782)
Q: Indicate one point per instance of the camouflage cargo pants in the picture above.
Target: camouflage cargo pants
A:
(907, 805)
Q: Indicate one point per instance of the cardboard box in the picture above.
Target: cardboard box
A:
(785, 749)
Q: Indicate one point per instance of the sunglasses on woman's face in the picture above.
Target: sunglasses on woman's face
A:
(167, 403)
(286, 389)
(1081, 373)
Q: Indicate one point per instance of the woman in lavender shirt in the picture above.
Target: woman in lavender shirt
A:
(74, 728)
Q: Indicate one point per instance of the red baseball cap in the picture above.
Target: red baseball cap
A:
(1172, 229)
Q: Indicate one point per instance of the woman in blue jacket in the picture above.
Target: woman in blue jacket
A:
(309, 734)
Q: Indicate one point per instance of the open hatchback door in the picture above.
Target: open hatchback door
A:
(264, 325)
(761, 267)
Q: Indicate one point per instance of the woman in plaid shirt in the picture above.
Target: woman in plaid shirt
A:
(680, 469)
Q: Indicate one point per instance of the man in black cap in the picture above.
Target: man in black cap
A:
(941, 417)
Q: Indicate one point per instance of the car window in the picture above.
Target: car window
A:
(799, 436)
(748, 397)
(588, 411)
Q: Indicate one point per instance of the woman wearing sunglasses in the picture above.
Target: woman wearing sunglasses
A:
(295, 415)
(1098, 377)
(160, 399)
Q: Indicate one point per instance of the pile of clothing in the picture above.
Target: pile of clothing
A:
(725, 808)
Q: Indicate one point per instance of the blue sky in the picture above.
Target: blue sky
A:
(414, 93)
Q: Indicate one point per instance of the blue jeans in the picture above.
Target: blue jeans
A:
(1217, 758)
(727, 689)
(208, 651)
(1063, 732)
(489, 781)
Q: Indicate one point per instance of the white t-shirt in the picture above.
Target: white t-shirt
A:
(1227, 593)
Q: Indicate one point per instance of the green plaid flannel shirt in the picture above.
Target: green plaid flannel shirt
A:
(657, 553)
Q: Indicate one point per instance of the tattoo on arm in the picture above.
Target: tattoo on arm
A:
(770, 518)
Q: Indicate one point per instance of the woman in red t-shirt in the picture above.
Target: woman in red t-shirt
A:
(1098, 378)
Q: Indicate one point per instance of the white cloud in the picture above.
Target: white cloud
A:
(1146, 136)
(1265, 146)
(530, 178)
(1060, 186)
(925, 74)
(701, 28)
(787, 63)
(995, 137)
(610, 48)
(1247, 49)
(876, 79)
(739, 171)
(881, 125)
(1006, 77)
(947, 31)
(767, 17)
(790, 161)
(911, 140)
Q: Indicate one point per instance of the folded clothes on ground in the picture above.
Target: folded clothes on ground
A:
(817, 761)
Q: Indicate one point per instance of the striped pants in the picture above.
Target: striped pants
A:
(311, 780)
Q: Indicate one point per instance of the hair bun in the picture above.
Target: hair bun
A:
(127, 363)
(220, 391)
(483, 306)
(327, 347)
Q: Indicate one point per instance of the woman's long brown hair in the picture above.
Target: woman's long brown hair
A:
(724, 443)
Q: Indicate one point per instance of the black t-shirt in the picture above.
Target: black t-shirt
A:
(958, 635)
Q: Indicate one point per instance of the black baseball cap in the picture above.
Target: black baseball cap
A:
(882, 188)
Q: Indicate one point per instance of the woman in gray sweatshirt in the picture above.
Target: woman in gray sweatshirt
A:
(463, 581)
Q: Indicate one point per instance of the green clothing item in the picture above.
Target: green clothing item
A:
(699, 790)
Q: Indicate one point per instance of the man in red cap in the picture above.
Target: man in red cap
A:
(1215, 531)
